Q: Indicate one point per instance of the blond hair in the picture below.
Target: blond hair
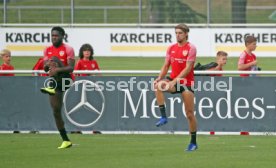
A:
(5, 52)
(222, 53)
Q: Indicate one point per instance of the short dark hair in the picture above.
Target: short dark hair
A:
(86, 47)
(59, 29)
(249, 39)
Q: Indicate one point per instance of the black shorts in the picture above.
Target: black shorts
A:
(60, 77)
(58, 82)
(181, 88)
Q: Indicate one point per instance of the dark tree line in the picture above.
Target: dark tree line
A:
(175, 11)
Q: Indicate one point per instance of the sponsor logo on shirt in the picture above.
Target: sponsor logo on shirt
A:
(93, 66)
(179, 60)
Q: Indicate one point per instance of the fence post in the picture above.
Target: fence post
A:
(140, 12)
(5, 12)
(208, 12)
(72, 12)
(62, 13)
(105, 15)
(19, 15)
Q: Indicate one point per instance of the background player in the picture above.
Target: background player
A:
(6, 57)
(39, 65)
(221, 60)
(181, 57)
(59, 61)
(87, 61)
(247, 61)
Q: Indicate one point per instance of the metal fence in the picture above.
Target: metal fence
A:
(142, 72)
(137, 11)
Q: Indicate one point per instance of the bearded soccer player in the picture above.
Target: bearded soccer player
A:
(59, 60)
(181, 57)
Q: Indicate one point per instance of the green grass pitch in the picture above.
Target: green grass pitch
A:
(136, 151)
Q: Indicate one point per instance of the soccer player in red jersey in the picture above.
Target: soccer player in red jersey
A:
(221, 60)
(247, 61)
(40, 66)
(59, 60)
(181, 57)
(6, 57)
(87, 61)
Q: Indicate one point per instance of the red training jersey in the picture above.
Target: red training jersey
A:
(246, 58)
(6, 67)
(86, 65)
(64, 52)
(178, 56)
(40, 66)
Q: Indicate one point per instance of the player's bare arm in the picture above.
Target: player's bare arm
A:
(67, 69)
(163, 72)
(246, 66)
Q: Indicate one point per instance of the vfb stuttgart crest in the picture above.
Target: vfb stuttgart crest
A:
(185, 53)
(61, 53)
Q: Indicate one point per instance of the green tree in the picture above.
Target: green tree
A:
(173, 11)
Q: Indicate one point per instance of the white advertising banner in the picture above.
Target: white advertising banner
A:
(145, 42)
